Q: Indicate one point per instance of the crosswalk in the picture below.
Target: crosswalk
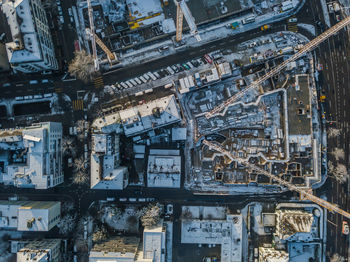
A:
(59, 90)
(78, 104)
(98, 82)
(292, 26)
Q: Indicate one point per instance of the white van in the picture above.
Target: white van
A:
(138, 80)
(170, 70)
(152, 76)
(143, 79)
(133, 82)
(129, 84)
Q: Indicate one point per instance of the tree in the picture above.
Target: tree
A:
(80, 171)
(151, 215)
(82, 66)
(339, 172)
(68, 146)
(333, 132)
(337, 258)
(67, 224)
(338, 153)
(99, 234)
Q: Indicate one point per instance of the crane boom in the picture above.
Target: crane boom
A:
(306, 48)
(183, 10)
(92, 30)
(303, 193)
(111, 56)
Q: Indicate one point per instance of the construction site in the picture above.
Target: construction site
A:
(125, 27)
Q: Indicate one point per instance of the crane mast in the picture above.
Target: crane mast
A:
(306, 48)
(92, 30)
(303, 193)
(183, 10)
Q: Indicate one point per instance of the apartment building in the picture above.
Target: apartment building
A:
(29, 215)
(31, 157)
(48, 250)
(31, 49)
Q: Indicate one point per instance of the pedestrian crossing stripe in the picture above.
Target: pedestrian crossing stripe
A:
(59, 90)
(98, 82)
(78, 104)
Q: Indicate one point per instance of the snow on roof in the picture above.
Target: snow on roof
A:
(149, 116)
(25, 46)
(168, 26)
(227, 233)
(36, 149)
(105, 170)
(143, 9)
(164, 170)
(179, 133)
(154, 243)
(21, 214)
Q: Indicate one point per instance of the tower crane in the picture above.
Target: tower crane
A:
(306, 48)
(183, 10)
(111, 56)
(92, 32)
(303, 193)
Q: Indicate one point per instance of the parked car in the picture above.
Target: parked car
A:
(345, 228)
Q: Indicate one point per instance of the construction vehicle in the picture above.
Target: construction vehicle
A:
(112, 58)
(254, 85)
(183, 10)
(322, 98)
(265, 27)
(304, 194)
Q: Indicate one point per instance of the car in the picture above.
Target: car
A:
(110, 199)
(38, 96)
(6, 85)
(44, 81)
(18, 98)
(186, 66)
(337, 17)
(131, 199)
(169, 209)
(61, 19)
(70, 12)
(208, 59)
(32, 82)
(123, 199)
(345, 228)
(292, 20)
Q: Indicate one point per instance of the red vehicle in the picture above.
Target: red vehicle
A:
(208, 58)
(345, 228)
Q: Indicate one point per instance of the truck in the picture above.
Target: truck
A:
(248, 20)
(265, 27)
(234, 25)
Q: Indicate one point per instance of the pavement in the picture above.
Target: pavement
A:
(334, 81)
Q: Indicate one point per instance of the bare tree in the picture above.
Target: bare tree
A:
(68, 146)
(99, 234)
(151, 215)
(337, 258)
(80, 171)
(67, 224)
(49, 5)
(333, 132)
(82, 66)
(338, 153)
(339, 172)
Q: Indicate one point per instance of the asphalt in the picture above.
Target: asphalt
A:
(334, 82)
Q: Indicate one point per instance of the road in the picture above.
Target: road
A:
(333, 80)
(334, 83)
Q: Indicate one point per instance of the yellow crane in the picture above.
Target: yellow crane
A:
(183, 10)
(304, 194)
(306, 48)
(112, 58)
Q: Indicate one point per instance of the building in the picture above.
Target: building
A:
(149, 116)
(164, 168)
(154, 243)
(31, 49)
(48, 250)
(128, 249)
(212, 226)
(106, 172)
(272, 255)
(32, 157)
(29, 215)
